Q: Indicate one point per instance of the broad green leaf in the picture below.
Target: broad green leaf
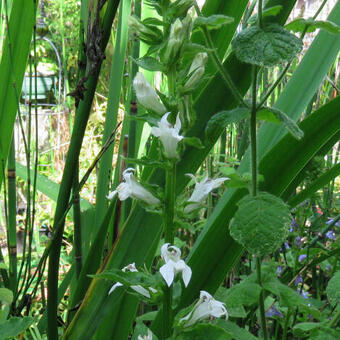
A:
(141, 331)
(245, 293)
(333, 289)
(261, 223)
(237, 332)
(204, 332)
(300, 24)
(12, 68)
(268, 12)
(6, 295)
(213, 22)
(3, 266)
(193, 141)
(221, 119)
(14, 326)
(305, 326)
(269, 46)
(149, 63)
(271, 114)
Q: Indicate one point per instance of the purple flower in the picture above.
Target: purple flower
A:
(287, 245)
(272, 311)
(279, 270)
(298, 280)
(302, 257)
(304, 294)
(298, 241)
(330, 234)
(332, 220)
(293, 225)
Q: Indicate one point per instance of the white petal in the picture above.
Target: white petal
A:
(178, 124)
(124, 191)
(186, 275)
(130, 267)
(116, 285)
(168, 272)
(111, 195)
(191, 207)
(141, 290)
(164, 252)
(192, 177)
(217, 309)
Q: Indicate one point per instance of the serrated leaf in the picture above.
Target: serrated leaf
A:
(14, 326)
(149, 63)
(6, 295)
(271, 11)
(299, 25)
(274, 115)
(193, 141)
(203, 332)
(261, 223)
(213, 22)
(269, 46)
(221, 119)
(333, 289)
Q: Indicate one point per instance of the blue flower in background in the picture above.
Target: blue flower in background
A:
(273, 311)
(330, 234)
(298, 241)
(302, 257)
(331, 221)
(279, 270)
(298, 280)
(293, 226)
(304, 294)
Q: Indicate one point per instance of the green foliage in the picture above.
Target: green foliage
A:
(204, 331)
(261, 223)
(14, 326)
(267, 46)
(213, 22)
(310, 25)
(333, 291)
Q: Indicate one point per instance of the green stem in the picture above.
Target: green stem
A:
(285, 328)
(259, 14)
(253, 134)
(335, 319)
(261, 299)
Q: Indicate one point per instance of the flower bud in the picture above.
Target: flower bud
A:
(149, 34)
(175, 42)
(196, 70)
(179, 8)
(146, 95)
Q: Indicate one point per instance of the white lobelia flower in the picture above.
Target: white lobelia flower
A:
(169, 135)
(196, 70)
(145, 337)
(146, 95)
(137, 288)
(173, 265)
(131, 188)
(206, 307)
(202, 190)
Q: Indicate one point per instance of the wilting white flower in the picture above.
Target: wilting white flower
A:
(146, 95)
(131, 188)
(137, 288)
(145, 337)
(202, 190)
(169, 135)
(196, 70)
(173, 265)
(206, 307)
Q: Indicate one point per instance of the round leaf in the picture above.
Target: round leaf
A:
(268, 46)
(261, 223)
(333, 289)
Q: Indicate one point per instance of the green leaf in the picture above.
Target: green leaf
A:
(268, 12)
(269, 46)
(274, 115)
(237, 332)
(193, 141)
(149, 63)
(3, 266)
(221, 119)
(6, 295)
(299, 25)
(305, 326)
(145, 161)
(333, 289)
(204, 332)
(261, 223)
(213, 22)
(14, 326)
